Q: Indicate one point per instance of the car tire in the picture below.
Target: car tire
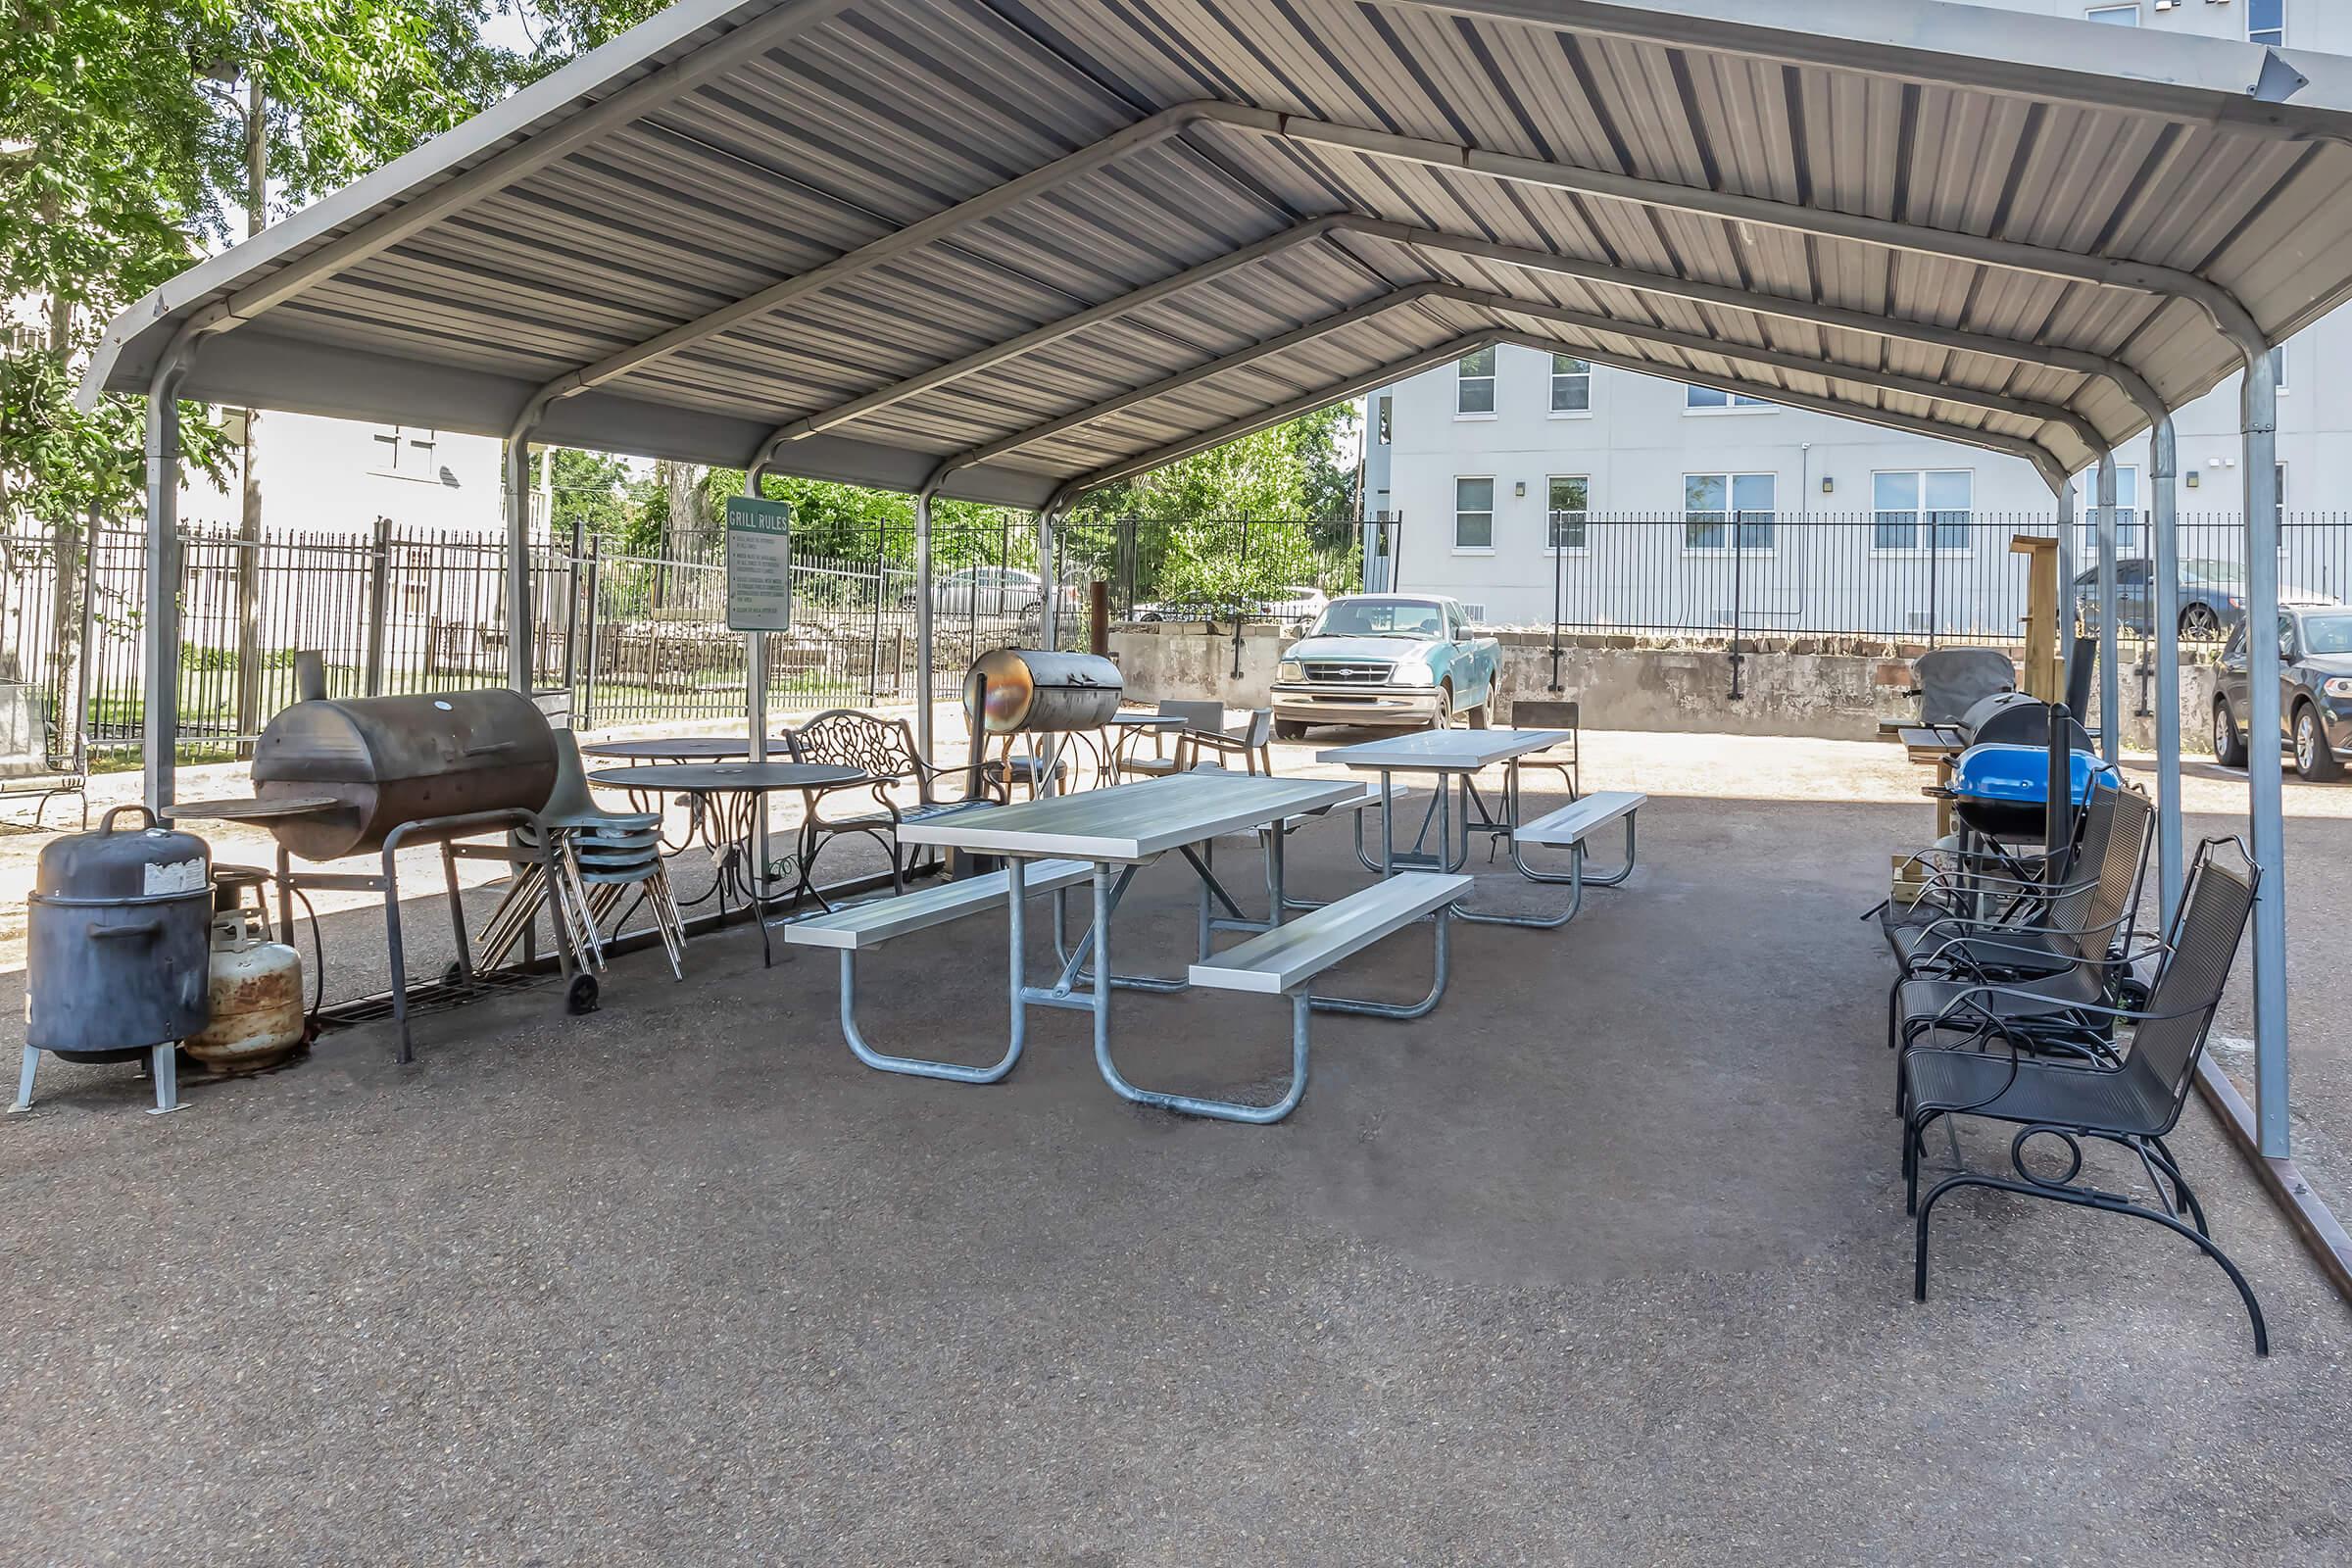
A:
(1289, 729)
(2198, 623)
(1479, 715)
(2312, 758)
(2229, 746)
(1445, 719)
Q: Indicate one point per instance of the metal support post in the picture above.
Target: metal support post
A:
(754, 703)
(923, 725)
(2111, 686)
(2265, 803)
(160, 709)
(519, 634)
(2164, 467)
(1050, 585)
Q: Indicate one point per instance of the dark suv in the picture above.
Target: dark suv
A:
(2315, 690)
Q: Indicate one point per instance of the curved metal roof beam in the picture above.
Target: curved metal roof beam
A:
(2228, 315)
(1394, 371)
(1796, 364)
(1925, 334)
(1168, 386)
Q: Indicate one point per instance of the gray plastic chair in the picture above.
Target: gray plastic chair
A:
(1953, 681)
(1200, 719)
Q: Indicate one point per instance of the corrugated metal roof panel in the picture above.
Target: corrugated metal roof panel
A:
(581, 249)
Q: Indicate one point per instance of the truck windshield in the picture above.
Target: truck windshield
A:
(1380, 617)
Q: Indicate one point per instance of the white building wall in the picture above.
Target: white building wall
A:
(1639, 441)
(338, 477)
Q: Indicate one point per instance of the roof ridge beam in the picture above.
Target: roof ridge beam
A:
(1797, 363)
(1052, 332)
(1379, 305)
(1855, 35)
(1265, 419)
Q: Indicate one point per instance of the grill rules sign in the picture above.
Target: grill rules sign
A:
(759, 565)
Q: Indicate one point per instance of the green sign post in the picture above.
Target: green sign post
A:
(759, 565)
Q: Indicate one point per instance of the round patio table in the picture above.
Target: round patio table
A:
(723, 811)
(681, 749)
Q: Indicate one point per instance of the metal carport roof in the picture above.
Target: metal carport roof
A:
(1013, 248)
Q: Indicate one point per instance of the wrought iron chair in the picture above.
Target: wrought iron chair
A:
(2133, 1103)
(1253, 744)
(883, 748)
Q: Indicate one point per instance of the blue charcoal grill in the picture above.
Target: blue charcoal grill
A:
(2003, 791)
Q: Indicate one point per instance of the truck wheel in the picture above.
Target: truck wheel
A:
(1289, 729)
(1479, 716)
(1445, 719)
(2229, 746)
(2314, 759)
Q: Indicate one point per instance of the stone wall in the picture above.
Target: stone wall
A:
(1825, 688)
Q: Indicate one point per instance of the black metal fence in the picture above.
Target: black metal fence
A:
(634, 639)
(1902, 576)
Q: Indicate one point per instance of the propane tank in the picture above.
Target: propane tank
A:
(257, 998)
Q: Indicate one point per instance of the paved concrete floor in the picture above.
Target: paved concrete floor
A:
(1603, 1262)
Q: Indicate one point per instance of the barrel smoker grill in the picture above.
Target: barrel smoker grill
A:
(335, 778)
(1016, 692)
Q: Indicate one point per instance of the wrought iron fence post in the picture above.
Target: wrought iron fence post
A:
(1738, 587)
(585, 698)
(379, 598)
(873, 652)
(1237, 600)
(85, 687)
(1934, 554)
(1559, 591)
(571, 604)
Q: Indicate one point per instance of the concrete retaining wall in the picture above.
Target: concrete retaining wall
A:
(1826, 688)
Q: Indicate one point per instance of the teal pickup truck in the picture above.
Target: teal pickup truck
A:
(1392, 660)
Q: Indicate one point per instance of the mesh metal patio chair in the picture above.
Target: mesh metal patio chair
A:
(2042, 926)
(2133, 1103)
(1953, 681)
(1199, 720)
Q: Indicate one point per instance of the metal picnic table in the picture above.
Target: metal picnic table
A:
(1120, 831)
(1457, 757)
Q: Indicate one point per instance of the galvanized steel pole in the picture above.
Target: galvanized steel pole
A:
(2165, 567)
(160, 707)
(923, 719)
(755, 705)
(2111, 684)
(519, 636)
(1049, 581)
(2265, 807)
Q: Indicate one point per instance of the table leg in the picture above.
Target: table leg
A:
(1017, 988)
(1189, 1104)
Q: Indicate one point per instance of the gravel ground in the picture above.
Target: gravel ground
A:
(1602, 1262)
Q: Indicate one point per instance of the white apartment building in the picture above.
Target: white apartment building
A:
(1492, 462)
(340, 476)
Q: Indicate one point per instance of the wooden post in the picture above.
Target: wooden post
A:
(2043, 675)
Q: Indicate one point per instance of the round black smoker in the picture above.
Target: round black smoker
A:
(119, 944)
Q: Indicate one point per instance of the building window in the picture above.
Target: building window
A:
(1718, 507)
(2127, 512)
(1570, 497)
(2114, 16)
(404, 451)
(1473, 385)
(1701, 398)
(1921, 510)
(1384, 416)
(2266, 23)
(1473, 514)
(1571, 385)
(2278, 366)
(2281, 471)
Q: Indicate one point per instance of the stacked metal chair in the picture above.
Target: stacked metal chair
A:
(601, 855)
